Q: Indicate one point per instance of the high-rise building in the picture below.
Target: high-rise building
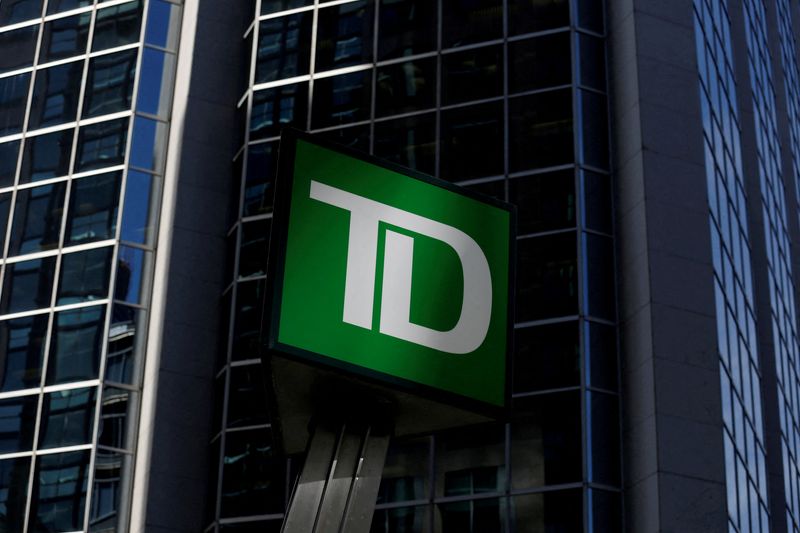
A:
(652, 148)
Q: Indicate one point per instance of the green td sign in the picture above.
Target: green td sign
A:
(399, 277)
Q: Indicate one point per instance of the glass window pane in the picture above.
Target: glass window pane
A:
(5, 206)
(597, 201)
(102, 144)
(284, 47)
(109, 87)
(140, 213)
(76, 345)
(17, 422)
(600, 294)
(126, 338)
(59, 491)
(18, 47)
(406, 87)
(133, 267)
(163, 24)
(37, 219)
(157, 73)
(471, 21)
(28, 285)
(602, 356)
(547, 277)
(406, 474)
(93, 208)
(603, 459)
(148, 145)
(344, 35)
(592, 61)
(355, 137)
(111, 471)
(495, 188)
(65, 37)
(14, 476)
(13, 11)
(590, 15)
(84, 276)
(117, 25)
(22, 352)
(275, 108)
(539, 63)
(546, 201)
(547, 357)
(249, 302)
(594, 134)
(260, 179)
(273, 6)
(247, 399)
(116, 412)
(9, 154)
(410, 141)
(342, 99)
(540, 130)
(57, 6)
(67, 418)
(526, 16)
(406, 27)
(549, 511)
(253, 249)
(55, 95)
(46, 156)
(474, 74)
(13, 100)
(471, 461)
(606, 511)
(247, 470)
(472, 142)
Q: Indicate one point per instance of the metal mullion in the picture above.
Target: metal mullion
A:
(65, 449)
(15, 455)
(109, 51)
(544, 392)
(312, 65)
(340, 128)
(279, 14)
(506, 142)
(71, 386)
(250, 518)
(546, 321)
(438, 119)
(255, 218)
(472, 46)
(409, 114)
(404, 59)
(20, 25)
(12, 137)
(81, 305)
(374, 82)
(105, 118)
(16, 72)
(63, 61)
(50, 129)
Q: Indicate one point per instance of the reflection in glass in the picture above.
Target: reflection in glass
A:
(65, 37)
(400, 519)
(547, 277)
(84, 276)
(156, 75)
(13, 11)
(110, 471)
(140, 214)
(273, 6)
(547, 357)
(102, 144)
(473, 74)
(406, 27)
(148, 143)
(471, 21)
(548, 511)
(109, 86)
(547, 201)
(55, 95)
(472, 142)
(13, 98)
(57, 6)
(67, 418)
(253, 248)
(27, 285)
(284, 47)
(37, 219)
(342, 99)
(93, 208)
(76, 344)
(163, 24)
(46, 156)
(126, 338)
(247, 400)
(471, 461)
(247, 321)
(117, 407)
(406, 87)
(14, 475)
(17, 423)
(59, 491)
(405, 473)
(5, 206)
(275, 108)
(260, 179)
(22, 352)
(344, 35)
(9, 153)
(250, 475)
(18, 47)
(539, 62)
(526, 16)
(117, 25)
(132, 267)
(409, 141)
(540, 130)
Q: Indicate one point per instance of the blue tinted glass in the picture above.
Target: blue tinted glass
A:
(116, 406)
(162, 24)
(109, 86)
(140, 213)
(67, 418)
(27, 285)
(272, 6)
(125, 342)
(275, 108)
(55, 95)
(37, 219)
(84, 276)
(340, 100)
(93, 208)
(65, 37)
(9, 153)
(284, 45)
(260, 179)
(344, 35)
(59, 491)
(57, 6)
(18, 47)
(155, 71)
(117, 25)
(102, 144)
(22, 351)
(46, 156)
(131, 266)
(13, 99)
(108, 498)
(147, 145)
(17, 422)
(75, 345)
(14, 475)
(13, 11)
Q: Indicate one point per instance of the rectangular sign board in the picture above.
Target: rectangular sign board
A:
(389, 275)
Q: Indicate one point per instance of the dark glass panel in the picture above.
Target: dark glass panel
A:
(597, 201)
(547, 357)
(13, 99)
(406, 27)
(109, 87)
(540, 130)
(601, 359)
(539, 63)
(17, 422)
(5, 206)
(474, 74)
(116, 409)
(57, 6)
(526, 16)
(18, 48)
(471, 21)
(133, 265)
(22, 352)
(409, 141)
(260, 179)
(67, 418)
(252, 482)
(46, 156)
(28, 285)
(545, 202)
(471, 461)
(594, 134)
(472, 142)
(590, 15)
(341, 100)
(9, 154)
(592, 61)
(474, 516)
(355, 137)
(284, 47)
(275, 108)
(249, 301)
(140, 214)
(253, 248)
(14, 475)
(111, 471)
(14, 11)
(156, 76)
(546, 440)
(406, 87)
(65, 37)
(148, 144)
(76, 345)
(495, 188)
(547, 277)
(556, 511)
(247, 399)
(37, 219)
(606, 511)
(600, 296)
(163, 24)
(117, 25)
(126, 339)
(102, 144)
(59, 492)
(55, 95)
(406, 471)
(603, 422)
(273, 6)
(93, 208)
(344, 35)
(84, 276)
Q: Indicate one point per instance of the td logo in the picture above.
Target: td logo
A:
(395, 312)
